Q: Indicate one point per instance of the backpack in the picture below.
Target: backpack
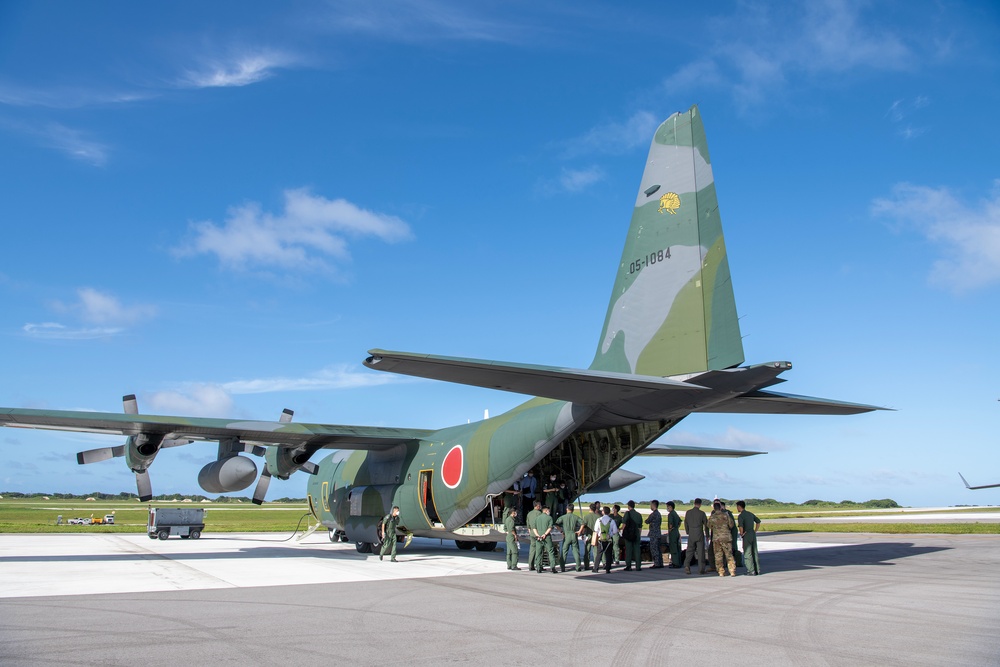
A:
(605, 530)
(629, 531)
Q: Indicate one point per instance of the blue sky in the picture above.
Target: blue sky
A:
(221, 207)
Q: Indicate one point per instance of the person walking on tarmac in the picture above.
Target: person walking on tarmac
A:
(387, 531)
(604, 531)
(543, 533)
(674, 535)
(632, 535)
(571, 525)
(510, 526)
(589, 521)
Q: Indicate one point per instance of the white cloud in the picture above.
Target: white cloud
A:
(969, 236)
(93, 307)
(74, 143)
(340, 377)
(578, 180)
(615, 137)
(205, 400)
(240, 70)
(310, 232)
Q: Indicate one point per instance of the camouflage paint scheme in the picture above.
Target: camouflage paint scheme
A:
(670, 346)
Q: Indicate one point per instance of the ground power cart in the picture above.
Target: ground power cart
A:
(188, 522)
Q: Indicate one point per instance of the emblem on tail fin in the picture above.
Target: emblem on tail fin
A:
(669, 203)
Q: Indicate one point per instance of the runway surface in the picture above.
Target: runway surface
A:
(831, 599)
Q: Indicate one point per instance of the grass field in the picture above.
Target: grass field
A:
(39, 516)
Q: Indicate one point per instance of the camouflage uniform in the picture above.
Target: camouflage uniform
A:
(696, 525)
(722, 541)
(570, 523)
(543, 528)
(654, 520)
(748, 524)
(389, 523)
(509, 525)
(674, 538)
(633, 552)
(589, 521)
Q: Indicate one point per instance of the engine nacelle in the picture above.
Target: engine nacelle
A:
(617, 480)
(233, 473)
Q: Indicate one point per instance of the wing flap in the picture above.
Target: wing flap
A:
(774, 403)
(584, 387)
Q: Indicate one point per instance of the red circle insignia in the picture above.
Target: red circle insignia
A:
(451, 468)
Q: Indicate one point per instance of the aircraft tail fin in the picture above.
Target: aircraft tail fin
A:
(672, 310)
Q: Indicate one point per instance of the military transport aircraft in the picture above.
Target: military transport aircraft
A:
(670, 347)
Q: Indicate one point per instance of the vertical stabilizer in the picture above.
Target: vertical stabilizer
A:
(672, 310)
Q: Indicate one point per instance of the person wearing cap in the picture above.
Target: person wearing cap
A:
(510, 527)
(632, 536)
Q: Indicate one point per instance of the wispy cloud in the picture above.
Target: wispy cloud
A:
(613, 137)
(104, 313)
(239, 70)
(969, 236)
(76, 144)
(307, 235)
(61, 97)
(204, 400)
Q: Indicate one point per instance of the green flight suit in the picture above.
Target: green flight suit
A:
(512, 546)
(389, 523)
(733, 534)
(543, 526)
(633, 551)
(674, 538)
(748, 523)
(529, 522)
(616, 539)
(570, 523)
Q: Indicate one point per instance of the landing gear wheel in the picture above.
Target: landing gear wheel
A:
(465, 546)
(486, 546)
(363, 547)
(163, 534)
(195, 534)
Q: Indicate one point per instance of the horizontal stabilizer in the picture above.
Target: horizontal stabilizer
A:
(973, 488)
(584, 387)
(684, 450)
(773, 403)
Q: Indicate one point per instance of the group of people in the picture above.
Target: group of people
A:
(551, 493)
(605, 529)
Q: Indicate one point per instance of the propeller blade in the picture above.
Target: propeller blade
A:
(286, 416)
(102, 454)
(175, 443)
(310, 467)
(261, 489)
(143, 486)
(130, 405)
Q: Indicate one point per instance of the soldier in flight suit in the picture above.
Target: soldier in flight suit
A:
(543, 546)
(696, 527)
(571, 526)
(551, 497)
(388, 533)
(589, 521)
(510, 525)
(530, 523)
(511, 499)
(722, 539)
(633, 543)
(654, 520)
(674, 535)
(749, 525)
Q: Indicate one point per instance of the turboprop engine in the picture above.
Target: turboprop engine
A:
(232, 473)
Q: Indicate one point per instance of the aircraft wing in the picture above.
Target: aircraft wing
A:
(772, 402)
(685, 450)
(281, 434)
(565, 384)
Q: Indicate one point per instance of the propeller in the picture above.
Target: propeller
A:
(260, 490)
(134, 446)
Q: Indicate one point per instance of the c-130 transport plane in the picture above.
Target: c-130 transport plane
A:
(670, 346)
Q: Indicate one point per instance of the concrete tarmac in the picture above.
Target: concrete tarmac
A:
(824, 599)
